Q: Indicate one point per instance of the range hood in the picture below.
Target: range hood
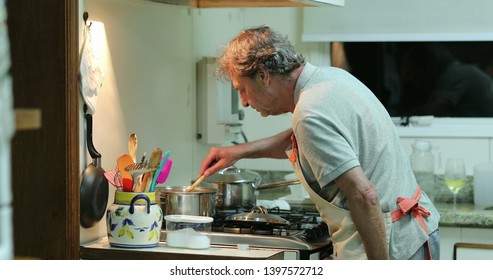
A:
(251, 3)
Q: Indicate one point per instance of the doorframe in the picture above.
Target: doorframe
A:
(73, 131)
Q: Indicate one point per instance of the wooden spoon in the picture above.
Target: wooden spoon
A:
(132, 146)
(189, 189)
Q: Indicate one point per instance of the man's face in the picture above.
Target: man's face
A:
(257, 93)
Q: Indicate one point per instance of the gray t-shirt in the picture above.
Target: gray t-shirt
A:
(340, 124)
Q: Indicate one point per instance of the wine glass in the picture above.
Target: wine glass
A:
(455, 176)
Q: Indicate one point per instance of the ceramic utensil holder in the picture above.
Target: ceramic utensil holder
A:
(134, 220)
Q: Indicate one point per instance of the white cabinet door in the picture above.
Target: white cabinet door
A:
(448, 237)
(472, 251)
(477, 244)
(472, 243)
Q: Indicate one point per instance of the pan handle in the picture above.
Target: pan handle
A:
(278, 184)
(90, 146)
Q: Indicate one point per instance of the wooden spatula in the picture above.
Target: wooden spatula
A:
(122, 162)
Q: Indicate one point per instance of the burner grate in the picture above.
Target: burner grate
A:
(302, 224)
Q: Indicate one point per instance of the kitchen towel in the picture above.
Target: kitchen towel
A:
(91, 71)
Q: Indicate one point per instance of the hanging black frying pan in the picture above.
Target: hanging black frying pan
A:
(94, 186)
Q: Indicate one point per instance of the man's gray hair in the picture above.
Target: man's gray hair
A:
(258, 49)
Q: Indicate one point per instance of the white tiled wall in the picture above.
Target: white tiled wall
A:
(472, 150)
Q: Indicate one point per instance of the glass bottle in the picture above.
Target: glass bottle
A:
(423, 166)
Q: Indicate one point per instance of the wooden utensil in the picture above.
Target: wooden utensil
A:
(122, 162)
(132, 146)
(189, 189)
(148, 176)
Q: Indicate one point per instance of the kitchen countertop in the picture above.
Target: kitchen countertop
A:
(466, 215)
(101, 250)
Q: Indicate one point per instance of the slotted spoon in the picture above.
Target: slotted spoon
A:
(137, 169)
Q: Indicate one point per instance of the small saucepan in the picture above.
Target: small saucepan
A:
(176, 200)
(237, 188)
(94, 186)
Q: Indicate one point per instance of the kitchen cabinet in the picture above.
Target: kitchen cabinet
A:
(450, 236)
(251, 3)
(390, 20)
(473, 251)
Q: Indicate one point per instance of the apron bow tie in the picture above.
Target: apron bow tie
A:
(412, 205)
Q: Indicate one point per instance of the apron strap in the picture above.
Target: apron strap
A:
(411, 205)
(294, 149)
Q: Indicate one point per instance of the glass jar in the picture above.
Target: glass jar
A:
(423, 166)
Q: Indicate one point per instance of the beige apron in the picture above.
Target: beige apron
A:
(345, 238)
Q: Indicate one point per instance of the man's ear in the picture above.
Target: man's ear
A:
(265, 77)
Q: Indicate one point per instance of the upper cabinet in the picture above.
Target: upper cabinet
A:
(399, 20)
(251, 3)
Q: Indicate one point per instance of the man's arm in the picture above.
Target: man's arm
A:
(365, 210)
(222, 157)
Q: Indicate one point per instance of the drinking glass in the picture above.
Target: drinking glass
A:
(455, 176)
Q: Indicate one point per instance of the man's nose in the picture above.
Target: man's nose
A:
(244, 102)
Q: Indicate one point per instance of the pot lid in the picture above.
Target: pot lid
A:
(258, 214)
(233, 175)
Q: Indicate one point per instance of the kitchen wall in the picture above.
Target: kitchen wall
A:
(147, 87)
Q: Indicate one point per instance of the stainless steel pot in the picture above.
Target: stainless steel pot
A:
(237, 188)
(176, 200)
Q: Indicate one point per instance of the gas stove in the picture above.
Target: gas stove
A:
(300, 232)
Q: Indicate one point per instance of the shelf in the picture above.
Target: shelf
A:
(251, 3)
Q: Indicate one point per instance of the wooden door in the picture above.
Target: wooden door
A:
(45, 161)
